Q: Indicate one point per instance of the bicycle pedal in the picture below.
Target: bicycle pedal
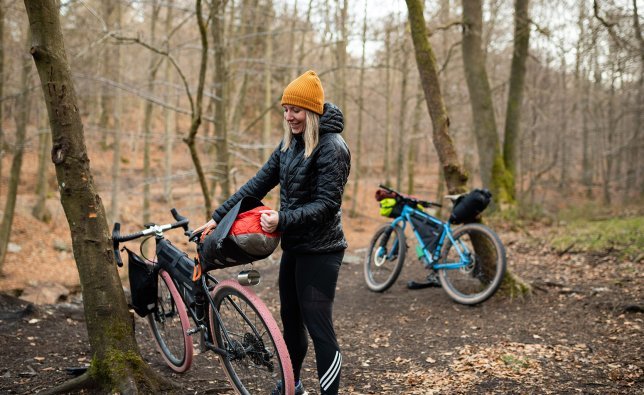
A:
(194, 330)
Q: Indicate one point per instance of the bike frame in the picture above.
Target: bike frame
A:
(203, 324)
(430, 257)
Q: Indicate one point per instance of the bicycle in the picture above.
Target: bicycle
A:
(470, 260)
(231, 319)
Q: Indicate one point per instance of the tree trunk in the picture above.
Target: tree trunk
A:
(196, 110)
(248, 31)
(455, 176)
(265, 151)
(153, 67)
(635, 166)
(40, 210)
(492, 168)
(302, 50)
(515, 91)
(108, 70)
(357, 155)
(413, 143)
(116, 364)
(403, 137)
(168, 119)
(21, 117)
(221, 101)
(2, 145)
(387, 154)
(341, 57)
(115, 209)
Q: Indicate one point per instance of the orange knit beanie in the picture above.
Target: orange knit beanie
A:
(306, 92)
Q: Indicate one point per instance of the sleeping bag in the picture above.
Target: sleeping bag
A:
(247, 233)
(238, 238)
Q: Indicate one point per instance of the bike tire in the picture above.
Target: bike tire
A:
(480, 280)
(169, 324)
(250, 325)
(381, 269)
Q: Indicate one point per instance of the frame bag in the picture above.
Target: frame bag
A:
(429, 231)
(143, 284)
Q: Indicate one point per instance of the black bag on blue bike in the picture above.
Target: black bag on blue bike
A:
(467, 207)
(430, 232)
(143, 284)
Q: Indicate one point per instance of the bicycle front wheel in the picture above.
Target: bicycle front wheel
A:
(169, 324)
(482, 275)
(385, 258)
(257, 358)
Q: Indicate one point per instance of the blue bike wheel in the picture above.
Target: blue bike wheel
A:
(385, 258)
(483, 260)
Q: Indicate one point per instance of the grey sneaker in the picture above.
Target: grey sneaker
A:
(299, 388)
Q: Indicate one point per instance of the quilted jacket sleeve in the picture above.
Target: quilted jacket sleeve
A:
(332, 171)
(266, 179)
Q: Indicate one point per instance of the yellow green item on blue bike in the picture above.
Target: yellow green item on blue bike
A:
(387, 206)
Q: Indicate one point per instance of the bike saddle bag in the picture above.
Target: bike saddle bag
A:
(467, 207)
(238, 238)
(143, 284)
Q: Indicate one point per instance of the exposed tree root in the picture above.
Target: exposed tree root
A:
(151, 383)
(515, 286)
(83, 381)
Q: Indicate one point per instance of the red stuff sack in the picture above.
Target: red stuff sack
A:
(224, 247)
(247, 233)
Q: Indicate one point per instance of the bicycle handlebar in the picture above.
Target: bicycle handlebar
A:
(117, 238)
(413, 200)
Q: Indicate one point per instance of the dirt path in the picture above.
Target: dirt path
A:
(581, 332)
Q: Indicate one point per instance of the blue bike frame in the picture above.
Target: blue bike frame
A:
(429, 257)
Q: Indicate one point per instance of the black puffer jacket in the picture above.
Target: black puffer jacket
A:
(310, 189)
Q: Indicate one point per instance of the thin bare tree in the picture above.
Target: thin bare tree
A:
(40, 211)
(357, 172)
(2, 44)
(515, 90)
(491, 165)
(222, 165)
(21, 119)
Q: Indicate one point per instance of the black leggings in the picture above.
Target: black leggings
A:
(307, 289)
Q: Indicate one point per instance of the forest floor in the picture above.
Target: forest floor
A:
(579, 332)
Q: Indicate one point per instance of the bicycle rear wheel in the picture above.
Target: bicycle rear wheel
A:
(257, 355)
(481, 278)
(169, 324)
(385, 258)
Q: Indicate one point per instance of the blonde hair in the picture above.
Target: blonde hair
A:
(311, 133)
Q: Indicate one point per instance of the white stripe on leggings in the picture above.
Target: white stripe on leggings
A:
(331, 374)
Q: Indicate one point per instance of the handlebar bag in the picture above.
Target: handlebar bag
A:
(467, 207)
(238, 238)
(143, 284)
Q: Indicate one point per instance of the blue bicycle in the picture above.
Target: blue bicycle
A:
(469, 260)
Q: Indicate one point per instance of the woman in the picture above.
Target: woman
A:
(311, 164)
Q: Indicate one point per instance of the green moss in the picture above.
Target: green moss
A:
(118, 363)
(513, 286)
(623, 235)
(502, 182)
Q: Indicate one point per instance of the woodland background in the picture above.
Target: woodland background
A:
(180, 106)
(136, 66)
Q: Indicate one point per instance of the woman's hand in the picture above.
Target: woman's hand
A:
(269, 220)
(205, 229)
